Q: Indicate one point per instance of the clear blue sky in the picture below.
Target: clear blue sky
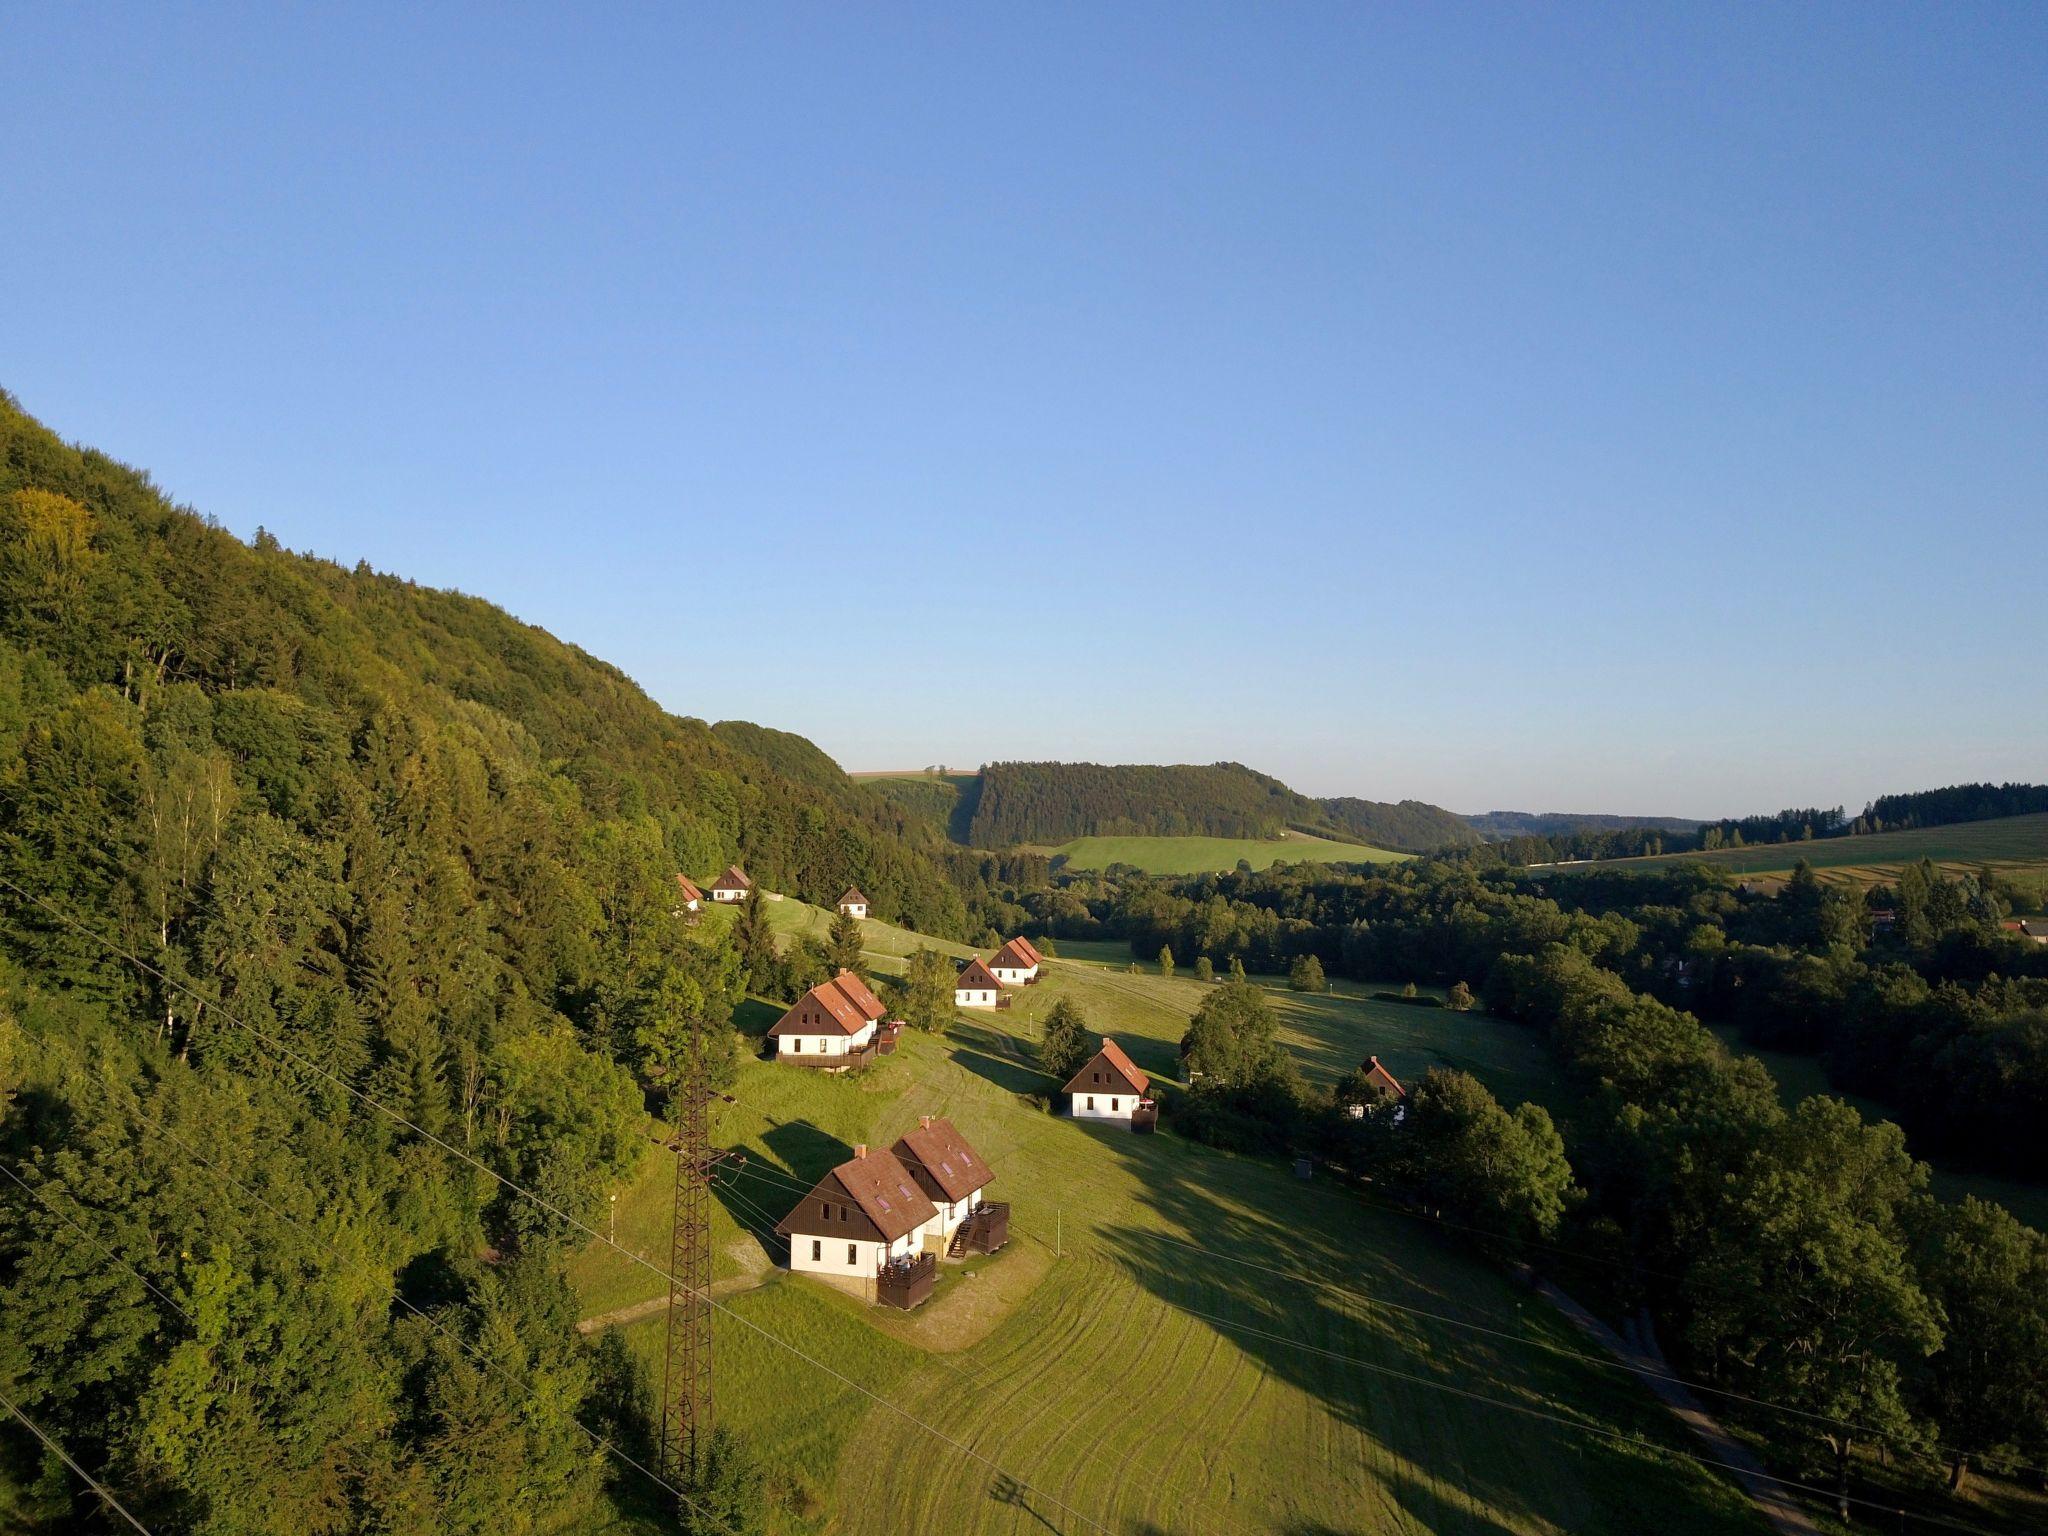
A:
(1555, 407)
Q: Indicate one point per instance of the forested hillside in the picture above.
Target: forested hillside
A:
(1053, 802)
(429, 850)
(1410, 825)
(1504, 824)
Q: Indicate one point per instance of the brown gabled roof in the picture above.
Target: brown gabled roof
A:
(1110, 1061)
(822, 1008)
(1018, 954)
(859, 994)
(687, 888)
(939, 1158)
(734, 879)
(887, 1196)
(852, 894)
(976, 977)
(1379, 1074)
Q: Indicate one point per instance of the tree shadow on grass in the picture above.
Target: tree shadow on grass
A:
(987, 1054)
(1456, 1411)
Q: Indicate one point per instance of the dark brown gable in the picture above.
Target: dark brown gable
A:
(1110, 1071)
(830, 1211)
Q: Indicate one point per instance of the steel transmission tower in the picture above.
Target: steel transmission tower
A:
(686, 1405)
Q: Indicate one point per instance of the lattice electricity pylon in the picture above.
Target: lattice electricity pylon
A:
(686, 1399)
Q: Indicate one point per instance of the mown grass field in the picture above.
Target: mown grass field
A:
(1204, 855)
(1136, 1385)
(2015, 844)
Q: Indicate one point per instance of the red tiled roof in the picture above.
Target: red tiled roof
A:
(884, 1190)
(858, 993)
(820, 1009)
(1110, 1059)
(688, 888)
(876, 1182)
(976, 977)
(1373, 1070)
(1017, 955)
(939, 1152)
(734, 879)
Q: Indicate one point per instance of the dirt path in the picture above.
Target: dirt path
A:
(1772, 1498)
(654, 1306)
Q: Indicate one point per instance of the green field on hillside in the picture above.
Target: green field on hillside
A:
(2011, 843)
(1127, 1379)
(1205, 855)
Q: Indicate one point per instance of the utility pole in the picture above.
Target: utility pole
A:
(686, 1401)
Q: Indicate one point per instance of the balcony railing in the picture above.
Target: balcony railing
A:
(906, 1282)
(1146, 1116)
(986, 1229)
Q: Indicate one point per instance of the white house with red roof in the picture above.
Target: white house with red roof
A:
(852, 903)
(954, 1178)
(687, 893)
(731, 886)
(976, 987)
(837, 1024)
(1016, 963)
(1381, 1082)
(861, 1217)
(1110, 1086)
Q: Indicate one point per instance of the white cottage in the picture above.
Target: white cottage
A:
(836, 1025)
(1016, 963)
(1110, 1086)
(852, 903)
(690, 899)
(951, 1174)
(976, 987)
(731, 886)
(861, 1217)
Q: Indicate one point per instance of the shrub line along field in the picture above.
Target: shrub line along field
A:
(1149, 1386)
(2009, 843)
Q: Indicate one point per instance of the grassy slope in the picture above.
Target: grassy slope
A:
(1085, 1375)
(2016, 842)
(1202, 855)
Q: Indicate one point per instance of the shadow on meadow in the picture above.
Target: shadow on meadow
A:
(1405, 1382)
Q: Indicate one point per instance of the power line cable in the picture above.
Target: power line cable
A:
(544, 1204)
(65, 1456)
(157, 1128)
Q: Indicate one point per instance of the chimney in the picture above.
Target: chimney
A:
(861, 1150)
(925, 1121)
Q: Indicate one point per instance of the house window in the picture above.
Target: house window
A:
(817, 1250)
(799, 1043)
(1112, 1106)
(852, 1254)
(1091, 1101)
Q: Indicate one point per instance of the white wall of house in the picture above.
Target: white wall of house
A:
(1014, 976)
(855, 909)
(951, 1215)
(975, 997)
(823, 1045)
(850, 1257)
(691, 905)
(727, 894)
(1104, 1106)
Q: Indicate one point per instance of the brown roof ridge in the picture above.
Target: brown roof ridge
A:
(856, 991)
(734, 878)
(885, 1190)
(1114, 1057)
(976, 976)
(938, 1148)
(852, 893)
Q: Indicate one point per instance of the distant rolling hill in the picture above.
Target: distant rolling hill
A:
(2013, 843)
(1208, 855)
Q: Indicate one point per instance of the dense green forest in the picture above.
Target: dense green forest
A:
(1409, 825)
(1497, 825)
(429, 852)
(1057, 802)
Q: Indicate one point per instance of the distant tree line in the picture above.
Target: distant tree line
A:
(1057, 802)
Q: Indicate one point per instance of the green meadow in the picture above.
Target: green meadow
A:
(1205, 855)
(1255, 1381)
(2015, 844)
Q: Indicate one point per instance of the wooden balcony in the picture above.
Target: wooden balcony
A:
(985, 1230)
(1146, 1116)
(906, 1282)
(1003, 1000)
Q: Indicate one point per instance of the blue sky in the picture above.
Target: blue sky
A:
(1536, 407)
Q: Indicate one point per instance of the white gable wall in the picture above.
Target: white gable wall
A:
(824, 1045)
(975, 997)
(1107, 1105)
